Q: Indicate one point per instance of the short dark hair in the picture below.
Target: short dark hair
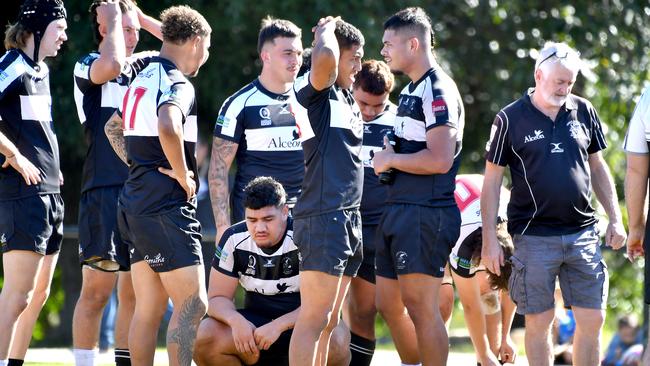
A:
(348, 35)
(629, 321)
(180, 23)
(263, 192)
(274, 28)
(414, 19)
(125, 6)
(374, 78)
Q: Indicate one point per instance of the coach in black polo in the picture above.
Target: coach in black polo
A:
(551, 140)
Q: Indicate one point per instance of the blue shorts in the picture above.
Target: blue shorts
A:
(575, 258)
(99, 238)
(330, 243)
(33, 223)
(415, 239)
(167, 241)
(278, 353)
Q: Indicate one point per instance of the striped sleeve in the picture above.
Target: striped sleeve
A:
(230, 124)
(440, 107)
(638, 133)
(498, 148)
(598, 142)
(82, 83)
(224, 256)
(180, 94)
(11, 69)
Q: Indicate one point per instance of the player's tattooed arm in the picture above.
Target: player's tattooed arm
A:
(115, 134)
(223, 154)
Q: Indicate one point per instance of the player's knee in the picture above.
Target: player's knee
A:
(590, 321)
(339, 348)
(95, 298)
(207, 337)
(17, 300)
(364, 320)
(539, 323)
(391, 311)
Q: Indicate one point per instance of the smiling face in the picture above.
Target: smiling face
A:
(267, 225)
(396, 51)
(53, 38)
(130, 30)
(349, 65)
(283, 57)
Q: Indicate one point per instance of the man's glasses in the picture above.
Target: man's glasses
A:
(560, 54)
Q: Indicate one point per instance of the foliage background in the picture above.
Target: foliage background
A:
(487, 46)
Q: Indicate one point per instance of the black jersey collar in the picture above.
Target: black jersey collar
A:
(269, 93)
(415, 84)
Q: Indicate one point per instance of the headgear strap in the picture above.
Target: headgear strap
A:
(36, 15)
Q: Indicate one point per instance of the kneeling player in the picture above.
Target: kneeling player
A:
(260, 254)
(488, 310)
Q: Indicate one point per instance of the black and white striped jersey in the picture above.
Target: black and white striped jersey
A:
(374, 194)
(146, 190)
(26, 120)
(269, 276)
(430, 102)
(263, 123)
(96, 103)
(548, 160)
(332, 141)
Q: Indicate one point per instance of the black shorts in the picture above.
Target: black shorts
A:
(367, 268)
(278, 353)
(330, 243)
(33, 223)
(167, 241)
(99, 238)
(415, 239)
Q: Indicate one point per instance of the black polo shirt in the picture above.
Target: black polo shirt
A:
(548, 160)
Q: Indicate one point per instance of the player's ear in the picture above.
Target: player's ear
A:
(414, 44)
(102, 30)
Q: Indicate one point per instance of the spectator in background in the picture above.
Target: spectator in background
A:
(627, 335)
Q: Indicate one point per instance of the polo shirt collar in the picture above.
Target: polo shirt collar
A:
(569, 105)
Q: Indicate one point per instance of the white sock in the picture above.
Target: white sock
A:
(84, 357)
(408, 364)
(4, 362)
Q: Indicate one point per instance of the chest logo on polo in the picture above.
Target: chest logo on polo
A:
(577, 130)
(538, 135)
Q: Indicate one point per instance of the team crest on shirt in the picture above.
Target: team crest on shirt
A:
(250, 270)
(287, 267)
(577, 129)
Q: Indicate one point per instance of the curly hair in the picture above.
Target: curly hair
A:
(263, 192)
(348, 35)
(180, 23)
(374, 78)
(125, 6)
